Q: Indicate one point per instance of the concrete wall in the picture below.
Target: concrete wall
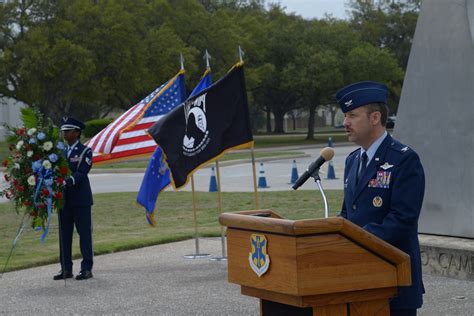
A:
(436, 113)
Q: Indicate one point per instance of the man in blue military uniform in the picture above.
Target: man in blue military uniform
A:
(78, 202)
(384, 183)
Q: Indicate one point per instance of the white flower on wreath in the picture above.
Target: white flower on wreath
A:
(16, 165)
(47, 146)
(47, 164)
(29, 153)
(31, 131)
(19, 144)
(31, 180)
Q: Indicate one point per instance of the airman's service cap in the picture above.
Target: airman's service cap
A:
(68, 123)
(361, 93)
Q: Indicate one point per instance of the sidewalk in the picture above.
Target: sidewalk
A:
(158, 280)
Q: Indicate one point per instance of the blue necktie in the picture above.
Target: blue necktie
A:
(363, 166)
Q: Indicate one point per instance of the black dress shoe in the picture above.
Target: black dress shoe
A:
(84, 275)
(61, 275)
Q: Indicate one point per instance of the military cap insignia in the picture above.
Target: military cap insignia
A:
(386, 166)
(377, 201)
(405, 149)
(65, 118)
(348, 103)
(258, 256)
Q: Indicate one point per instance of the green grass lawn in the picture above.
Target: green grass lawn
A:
(119, 223)
(227, 157)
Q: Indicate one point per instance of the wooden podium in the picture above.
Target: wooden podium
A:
(316, 267)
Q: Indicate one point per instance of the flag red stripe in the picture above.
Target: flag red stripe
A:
(141, 127)
(98, 142)
(133, 140)
(124, 154)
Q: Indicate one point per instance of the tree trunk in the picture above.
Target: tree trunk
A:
(294, 122)
(312, 112)
(269, 121)
(333, 110)
(279, 119)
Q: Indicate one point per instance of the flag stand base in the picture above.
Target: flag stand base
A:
(218, 259)
(197, 256)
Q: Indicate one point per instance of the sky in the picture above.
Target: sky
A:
(314, 8)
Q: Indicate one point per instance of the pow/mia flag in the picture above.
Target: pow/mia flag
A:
(203, 127)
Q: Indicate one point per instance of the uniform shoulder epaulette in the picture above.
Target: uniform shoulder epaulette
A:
(399, 147)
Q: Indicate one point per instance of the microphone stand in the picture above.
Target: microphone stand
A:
(317, 179)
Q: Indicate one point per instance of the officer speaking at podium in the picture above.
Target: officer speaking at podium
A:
(384, 183)
(78, 202)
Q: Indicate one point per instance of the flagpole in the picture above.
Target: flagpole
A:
(219, 202)
(257, 205)
(196, 255)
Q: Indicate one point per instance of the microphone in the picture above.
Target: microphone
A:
(326, 154)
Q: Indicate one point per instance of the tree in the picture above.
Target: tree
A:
(366, 62)
(316, 78)
(389, 25)
(283, 33)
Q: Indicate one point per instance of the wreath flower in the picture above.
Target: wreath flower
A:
(35, 169)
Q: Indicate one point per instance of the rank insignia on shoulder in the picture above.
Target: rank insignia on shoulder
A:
(405, 149)
(258, 257)
(386, 166)
(377, 201)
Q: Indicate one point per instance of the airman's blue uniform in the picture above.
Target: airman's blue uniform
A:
(78, 202)
(386, 202)
(386, 198)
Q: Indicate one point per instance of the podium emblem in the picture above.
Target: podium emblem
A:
(258, 257)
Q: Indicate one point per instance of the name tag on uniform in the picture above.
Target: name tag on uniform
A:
(381, 181)
(75, 159)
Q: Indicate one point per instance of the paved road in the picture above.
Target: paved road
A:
(158, 281)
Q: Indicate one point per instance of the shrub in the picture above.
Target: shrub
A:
(95, 126)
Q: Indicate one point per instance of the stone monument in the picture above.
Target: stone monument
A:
(436, 114)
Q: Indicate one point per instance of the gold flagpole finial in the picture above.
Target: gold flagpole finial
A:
(181, 59)
(241, 55)
(207, 57)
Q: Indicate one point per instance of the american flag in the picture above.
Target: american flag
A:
(126, 136)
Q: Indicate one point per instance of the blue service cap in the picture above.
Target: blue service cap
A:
(361, 93)
(68, 123)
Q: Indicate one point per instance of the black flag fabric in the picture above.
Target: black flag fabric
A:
(205, 126)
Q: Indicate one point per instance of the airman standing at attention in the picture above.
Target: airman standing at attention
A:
(78, 202)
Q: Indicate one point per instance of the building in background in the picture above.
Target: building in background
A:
(9, 114)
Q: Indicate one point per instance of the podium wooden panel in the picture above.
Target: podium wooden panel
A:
(317, 267)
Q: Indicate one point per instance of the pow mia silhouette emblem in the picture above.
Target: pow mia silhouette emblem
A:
(196, 137)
